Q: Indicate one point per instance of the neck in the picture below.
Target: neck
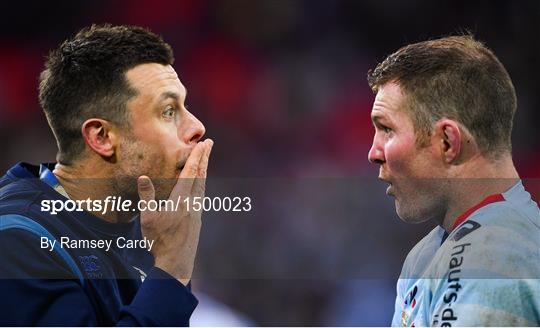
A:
(90, 180)
(475, 181)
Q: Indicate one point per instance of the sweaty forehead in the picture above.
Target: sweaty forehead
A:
(152, 78)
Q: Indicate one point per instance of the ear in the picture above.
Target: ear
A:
(450, 136)
(99, 136)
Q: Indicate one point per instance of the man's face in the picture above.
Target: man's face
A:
(413, 172)
(163, 131)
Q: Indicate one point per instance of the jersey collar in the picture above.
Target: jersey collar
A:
(46, 175)
(488, 200)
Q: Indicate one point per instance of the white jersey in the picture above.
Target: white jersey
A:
(485, 273)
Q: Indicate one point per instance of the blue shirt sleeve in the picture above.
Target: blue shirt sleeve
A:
(29, 295)
(175, 301)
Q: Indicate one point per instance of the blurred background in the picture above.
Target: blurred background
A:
(281, 87)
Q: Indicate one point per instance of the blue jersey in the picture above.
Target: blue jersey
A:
(485, 272)
(76, 286)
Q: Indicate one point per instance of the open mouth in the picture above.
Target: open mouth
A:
(390, 188)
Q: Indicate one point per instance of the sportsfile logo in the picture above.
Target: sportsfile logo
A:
(109, 204)
(119, 204)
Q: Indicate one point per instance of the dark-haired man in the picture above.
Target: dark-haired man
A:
(116, 108)
(443, 118)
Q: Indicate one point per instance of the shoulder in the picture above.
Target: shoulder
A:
(499, 240)
(18, 194)
(26, 252)
(488, 269)
(421, 255)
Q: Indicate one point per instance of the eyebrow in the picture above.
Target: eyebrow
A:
(376, 118)
(171, 94)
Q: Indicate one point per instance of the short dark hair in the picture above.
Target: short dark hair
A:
(456, 77)
(85, 77)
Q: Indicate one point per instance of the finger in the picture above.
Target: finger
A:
(203, 164)
(192, 163)
(200, 181)
(145, 188)
(184, 183)
(146, 193)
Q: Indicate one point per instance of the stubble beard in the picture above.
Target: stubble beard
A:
(143, 160)
(421, 204)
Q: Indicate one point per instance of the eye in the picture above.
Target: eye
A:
(383, 128)
(169, 112)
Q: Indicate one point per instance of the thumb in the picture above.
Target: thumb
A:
(145, 188)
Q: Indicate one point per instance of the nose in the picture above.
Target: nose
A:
(376, 153)
(195, 129)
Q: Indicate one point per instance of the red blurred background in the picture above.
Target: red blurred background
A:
(281, 87)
